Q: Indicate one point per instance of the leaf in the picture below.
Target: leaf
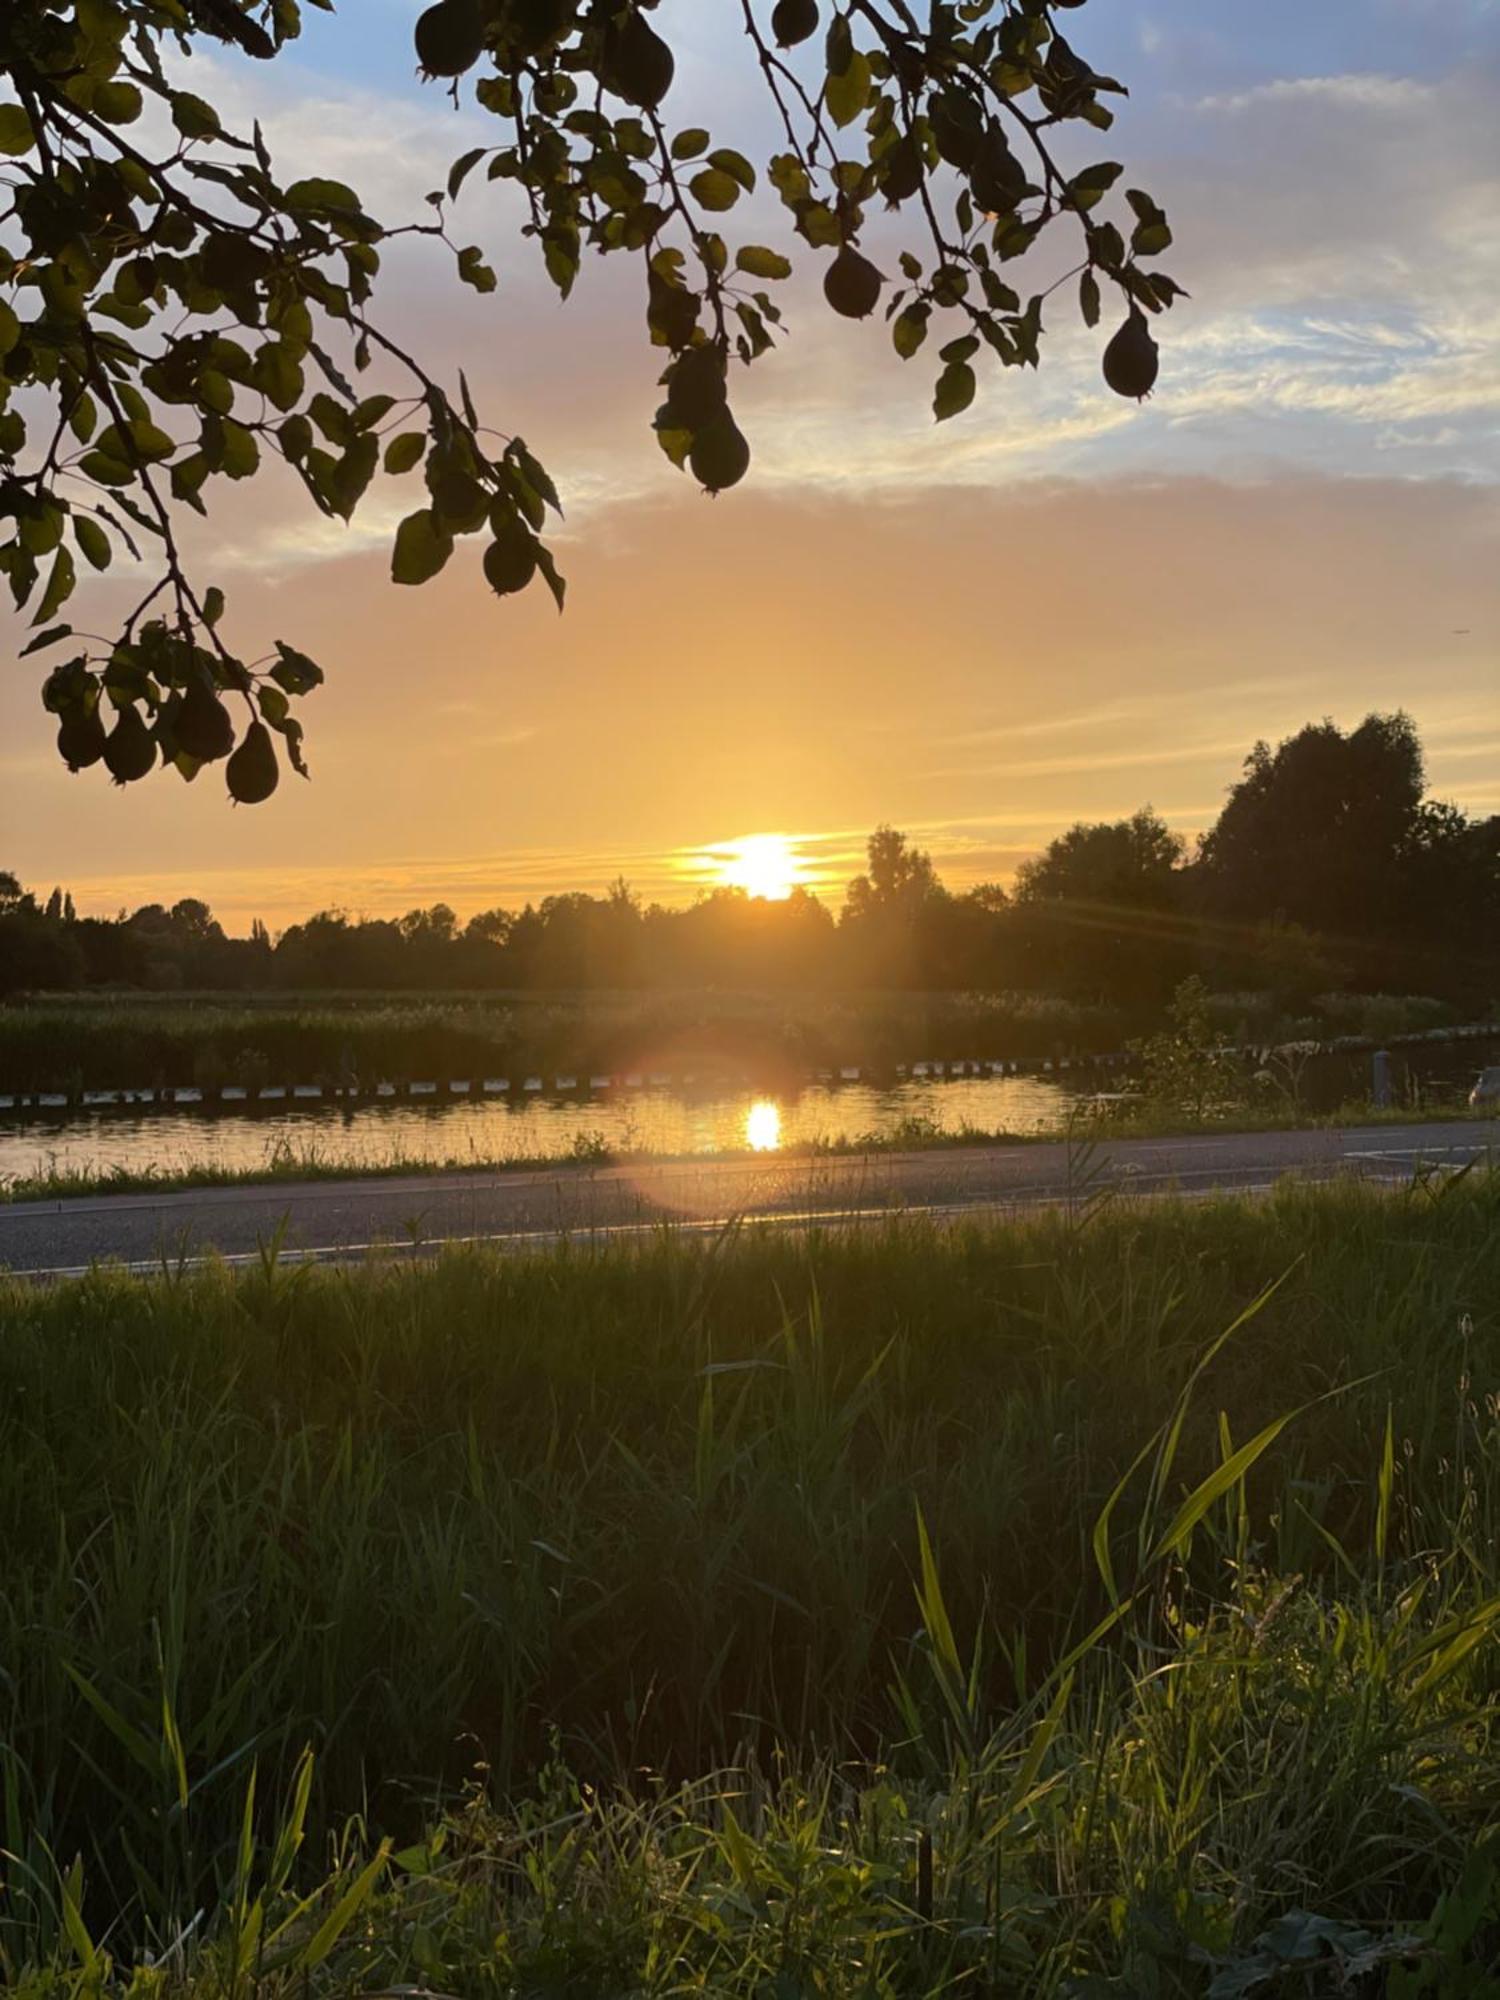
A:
(534, 473)
(714, 190)
(93, 541)
(344, 1911)
(962, 349)
(317, 193)
(474, 271)
(1151, 234)
(560, 255)
(462, 167)
(1088, 298)
(135, 1745)
(422, 548)
(909, 330)
(59, 587)
(689, 144)
(118, 103)
(405, 452)
(83, 1945)
(213, 605)
(16, 134)
(758, 262)
(42, 640)
(555, 583)
(955, 390)
(277, 373)
(10, 328)
(294, 671)
(847, 94)
(1093, 183)
(194, 117)
(934, 1610)
(241, 454)
(728, 161)
(1218, 1483)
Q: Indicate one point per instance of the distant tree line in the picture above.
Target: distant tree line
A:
(1328, 869)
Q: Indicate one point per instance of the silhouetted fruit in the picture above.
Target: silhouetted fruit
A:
(852, 284)
(792, 21)
(997, 178)
(534, 23)
(201, 726)
(80, 739)
(697, 391)
(510, 559)
(638, 65)
(1130, 360)
(252, 773)
(130, 748)
(902, 170)
(720, 457)
(449, 37)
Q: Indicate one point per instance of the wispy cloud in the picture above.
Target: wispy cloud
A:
(1354, 90)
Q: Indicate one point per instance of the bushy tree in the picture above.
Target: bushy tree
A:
(1099, 911)
(174, 312)
(1331, 832)
(1120, 863)
(1314, 829)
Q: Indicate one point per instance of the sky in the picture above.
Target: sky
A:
(1056, 606)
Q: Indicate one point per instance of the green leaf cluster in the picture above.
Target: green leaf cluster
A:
(174, 314)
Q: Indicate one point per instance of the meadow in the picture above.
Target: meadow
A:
(1103, 1603)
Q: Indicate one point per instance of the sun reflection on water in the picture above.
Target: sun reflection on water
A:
(763, 1126)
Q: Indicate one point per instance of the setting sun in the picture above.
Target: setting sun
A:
(762, 864)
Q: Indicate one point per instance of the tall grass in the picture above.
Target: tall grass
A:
(833, 1519)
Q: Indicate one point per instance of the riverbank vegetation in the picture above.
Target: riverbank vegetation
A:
(1098, 1603)
(105, 1043)
(209, 1041)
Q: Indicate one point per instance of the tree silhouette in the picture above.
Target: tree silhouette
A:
(175, 314)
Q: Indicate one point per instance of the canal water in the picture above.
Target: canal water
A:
(525, 1126)
(719, 1116)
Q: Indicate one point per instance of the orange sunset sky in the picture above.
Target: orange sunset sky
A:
(1056, 606)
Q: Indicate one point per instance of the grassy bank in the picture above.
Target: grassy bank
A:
(285, 1162)
(131, 1042)
(572, 1532)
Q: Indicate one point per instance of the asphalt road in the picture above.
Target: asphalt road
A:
(332, 1219)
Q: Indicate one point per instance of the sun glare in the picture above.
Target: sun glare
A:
(762, 864)
(763, 1126)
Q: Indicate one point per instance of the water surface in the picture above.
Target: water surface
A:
(526, 1126)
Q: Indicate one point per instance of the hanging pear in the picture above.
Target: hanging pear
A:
(638, 65)
(720, 456)
(252, 773)
(130, 748)
(510, 559)
(201, 726)
(449, 38)
(852, 284)
(80, 738)
(794, 21)
(1131, 360)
